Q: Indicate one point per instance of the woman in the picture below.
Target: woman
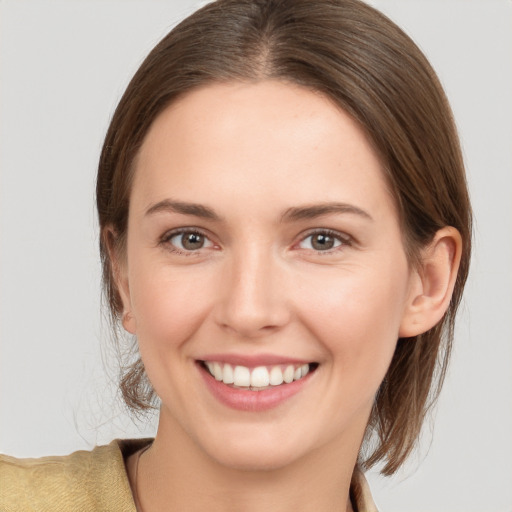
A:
(285, 228)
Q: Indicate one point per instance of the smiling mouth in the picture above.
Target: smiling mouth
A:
(259, 378)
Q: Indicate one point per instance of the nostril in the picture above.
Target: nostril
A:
(251, 302)
(250, 328)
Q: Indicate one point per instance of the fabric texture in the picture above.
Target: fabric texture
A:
(90, 481)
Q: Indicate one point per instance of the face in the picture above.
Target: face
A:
(265, 275)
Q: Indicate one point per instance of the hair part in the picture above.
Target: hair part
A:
(367, 66)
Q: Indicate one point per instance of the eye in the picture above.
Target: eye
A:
(322, 241)
(187, 240)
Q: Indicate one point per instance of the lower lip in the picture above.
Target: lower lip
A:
(252, 401)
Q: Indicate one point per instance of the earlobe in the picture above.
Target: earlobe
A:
(433, 284)
(119, 275)
(128, 322)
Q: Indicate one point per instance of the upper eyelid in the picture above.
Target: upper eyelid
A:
(164, 241)
(342, 236)
(167, 235)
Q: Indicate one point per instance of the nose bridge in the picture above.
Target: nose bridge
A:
(254, 299)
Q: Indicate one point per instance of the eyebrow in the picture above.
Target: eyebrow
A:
(198, 210)
(290, 215)
(318, 210)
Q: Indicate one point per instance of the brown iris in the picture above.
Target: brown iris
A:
(192, 241)
(322, 242)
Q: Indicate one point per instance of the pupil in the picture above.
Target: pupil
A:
(192, 241)
(323, 242)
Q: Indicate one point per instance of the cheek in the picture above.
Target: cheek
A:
(356, 316)
(168, 307)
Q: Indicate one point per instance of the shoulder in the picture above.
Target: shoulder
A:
(84, 480)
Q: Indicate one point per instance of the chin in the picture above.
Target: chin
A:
(253, 459)
(251, 447)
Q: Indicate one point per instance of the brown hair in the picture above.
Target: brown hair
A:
(363, 62)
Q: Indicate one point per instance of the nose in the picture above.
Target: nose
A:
(253, 302)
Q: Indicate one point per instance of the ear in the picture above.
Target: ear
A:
(119, 272)
(432, 283)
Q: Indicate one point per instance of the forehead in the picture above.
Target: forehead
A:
(277, 139)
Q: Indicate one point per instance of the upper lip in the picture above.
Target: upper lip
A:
(254, 360)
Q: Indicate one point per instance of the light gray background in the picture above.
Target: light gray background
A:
(64, 65)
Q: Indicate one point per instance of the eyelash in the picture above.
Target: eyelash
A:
(344, 240)
(165, 240)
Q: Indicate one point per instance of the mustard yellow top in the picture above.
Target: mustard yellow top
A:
(94, 481)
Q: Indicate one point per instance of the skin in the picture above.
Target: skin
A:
(252, 153)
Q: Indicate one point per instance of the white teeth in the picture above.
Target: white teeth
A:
(242, 376)
(288, 374)
(217, 371)
(259, 377)
(276, 376)
(228, 377)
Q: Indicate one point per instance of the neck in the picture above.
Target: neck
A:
(174, 474)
